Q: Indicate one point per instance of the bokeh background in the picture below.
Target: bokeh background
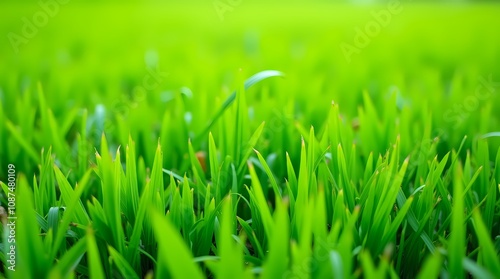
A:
(96, 56)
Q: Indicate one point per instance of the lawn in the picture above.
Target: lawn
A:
(247, 139)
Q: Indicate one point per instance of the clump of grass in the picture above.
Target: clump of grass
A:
(334, 214)
(271, 180)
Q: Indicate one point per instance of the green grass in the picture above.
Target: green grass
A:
(255, 150)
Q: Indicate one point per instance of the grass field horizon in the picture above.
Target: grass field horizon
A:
(238, 139)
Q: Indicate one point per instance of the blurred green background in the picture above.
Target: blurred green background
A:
(97, 55)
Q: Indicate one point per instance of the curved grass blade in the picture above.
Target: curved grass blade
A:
(70, 260)
(248, 83)
(123, 266)
(172, 252)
